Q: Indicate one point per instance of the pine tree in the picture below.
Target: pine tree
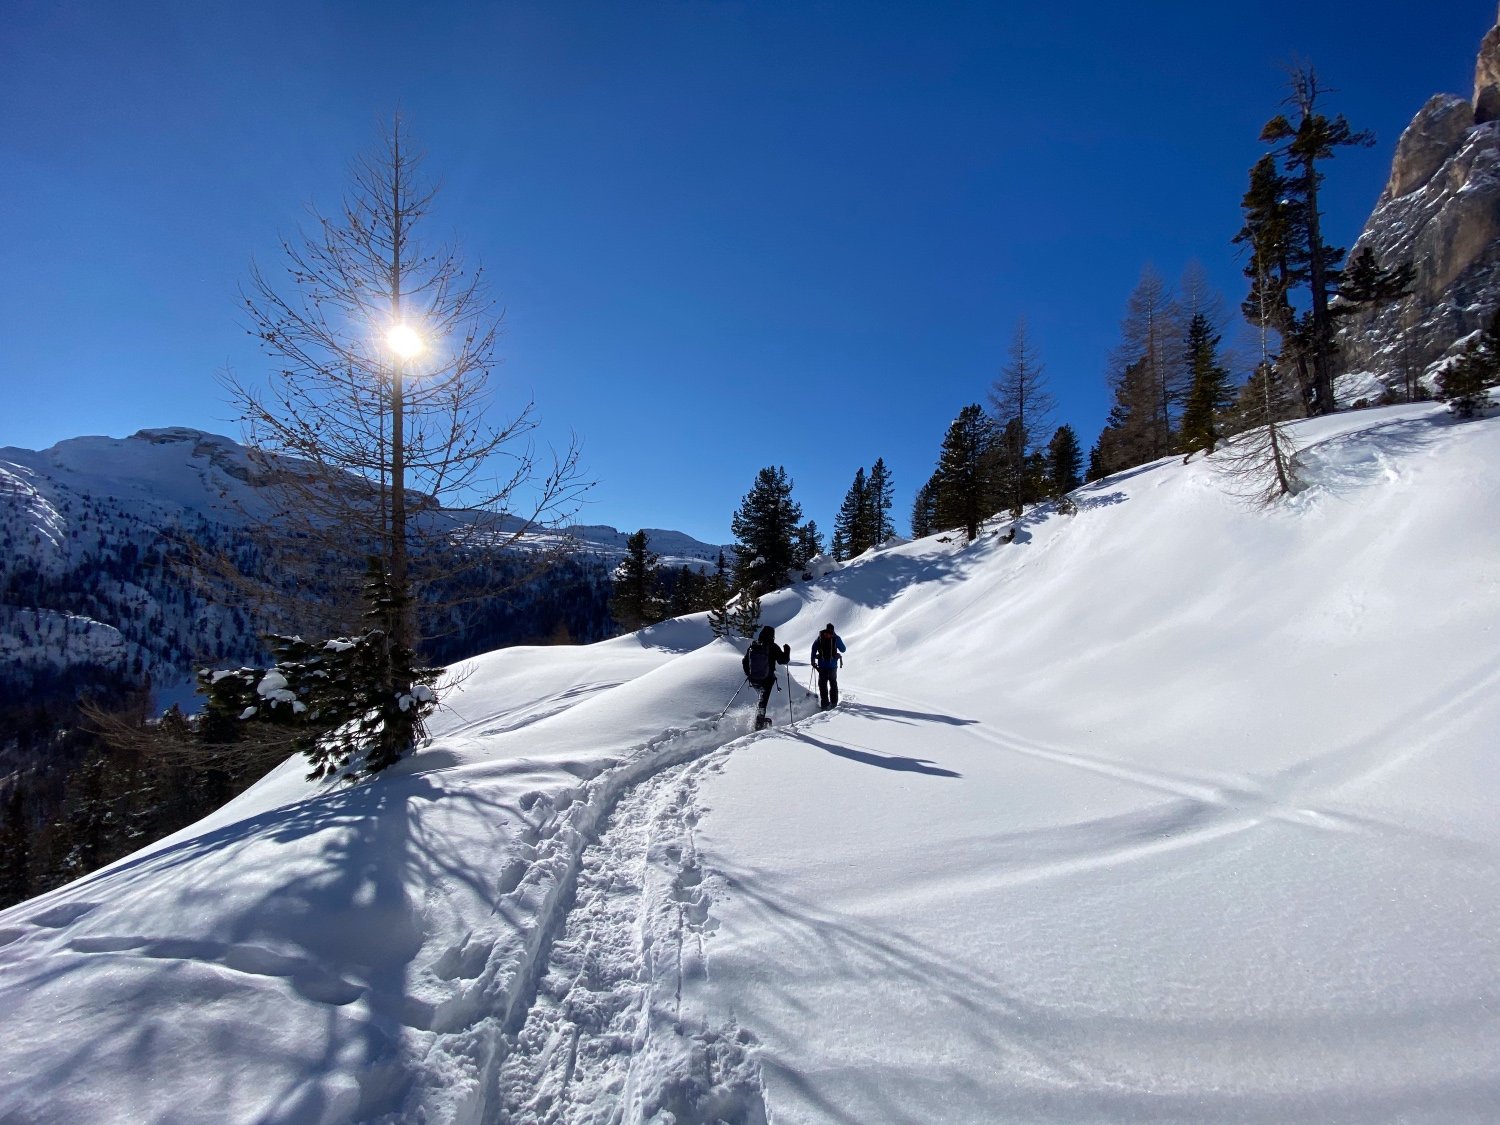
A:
(688, 594)
(965, 489)
(744, 615)
(851, 525)
(766, 528)
(924, 509)
(1096, 469)
(1150, 360)
(1261, 461)
(335, 699)
(1211, 393)
(1008, 466)
(1021, 404)
(1365, 284)
(1304, 145)
(635, 603)
(1129, 437)
(1465, 383)
(1276, 264)
(717, 594)
(1064, 463)
(382, 349)
(880, 490)
(809, 544)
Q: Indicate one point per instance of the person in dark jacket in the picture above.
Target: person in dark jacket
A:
(827, 654)
(760, 669)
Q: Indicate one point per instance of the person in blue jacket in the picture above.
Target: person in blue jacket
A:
(827, 655)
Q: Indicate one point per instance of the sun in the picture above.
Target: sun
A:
(404, 340)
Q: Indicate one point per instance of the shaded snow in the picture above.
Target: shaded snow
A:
(1172, 810)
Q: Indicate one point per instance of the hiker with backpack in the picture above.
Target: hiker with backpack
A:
(827, 654)
(760, 661)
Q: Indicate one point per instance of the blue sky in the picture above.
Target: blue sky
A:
(726, 235)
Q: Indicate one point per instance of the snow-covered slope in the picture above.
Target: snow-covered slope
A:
(1171, 810)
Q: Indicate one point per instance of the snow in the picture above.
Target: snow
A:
(1174, 810)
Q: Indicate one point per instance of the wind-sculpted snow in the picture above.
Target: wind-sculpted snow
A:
(1172, 810)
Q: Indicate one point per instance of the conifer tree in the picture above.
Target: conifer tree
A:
(1211, 393)
(1275, 265)
(1465, 383)
(766, 530)
(1064, 462)
(880, 490)
(717, 596)
(744, 615)
(383, 348)
(1008, 466)
(1365, 284)
(809, 544)
(924, 509)
(688, 593)
(1305, 145)
(635, 602)
(1021, 404)
(334, 697)
(1261, 461)
(1129, 437)
(965, 488)
(1150, 378)
(1096, 469)
(851, 525)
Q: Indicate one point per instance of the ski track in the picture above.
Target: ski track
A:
(1208, 809)
(568, 998)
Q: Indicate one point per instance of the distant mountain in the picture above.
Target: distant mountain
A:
(93, 596)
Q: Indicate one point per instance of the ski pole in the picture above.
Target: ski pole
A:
(733, 697)
(790, 718)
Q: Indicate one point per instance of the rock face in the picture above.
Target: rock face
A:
(1487, 78)
(1440, 210)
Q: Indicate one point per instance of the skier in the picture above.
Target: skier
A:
(760, 662)
(827, 655)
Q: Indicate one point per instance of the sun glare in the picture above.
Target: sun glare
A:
(404, 340)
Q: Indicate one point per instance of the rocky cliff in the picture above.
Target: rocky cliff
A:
(1441, 210)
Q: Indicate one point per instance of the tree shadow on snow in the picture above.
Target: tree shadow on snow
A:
(341, 932)
(878, 585)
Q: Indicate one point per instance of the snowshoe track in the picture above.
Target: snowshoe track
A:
(566, 1008)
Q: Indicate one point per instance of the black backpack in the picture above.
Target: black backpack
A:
(759, 666)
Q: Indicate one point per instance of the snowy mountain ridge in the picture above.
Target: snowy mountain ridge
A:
(90, 529)
(1173, 810)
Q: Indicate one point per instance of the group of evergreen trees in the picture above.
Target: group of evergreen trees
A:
(645, 592)
(995, 460)
(864, 518)
(1173, 392)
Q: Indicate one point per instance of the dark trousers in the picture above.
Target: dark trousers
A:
(765, 694)
(828, 686)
